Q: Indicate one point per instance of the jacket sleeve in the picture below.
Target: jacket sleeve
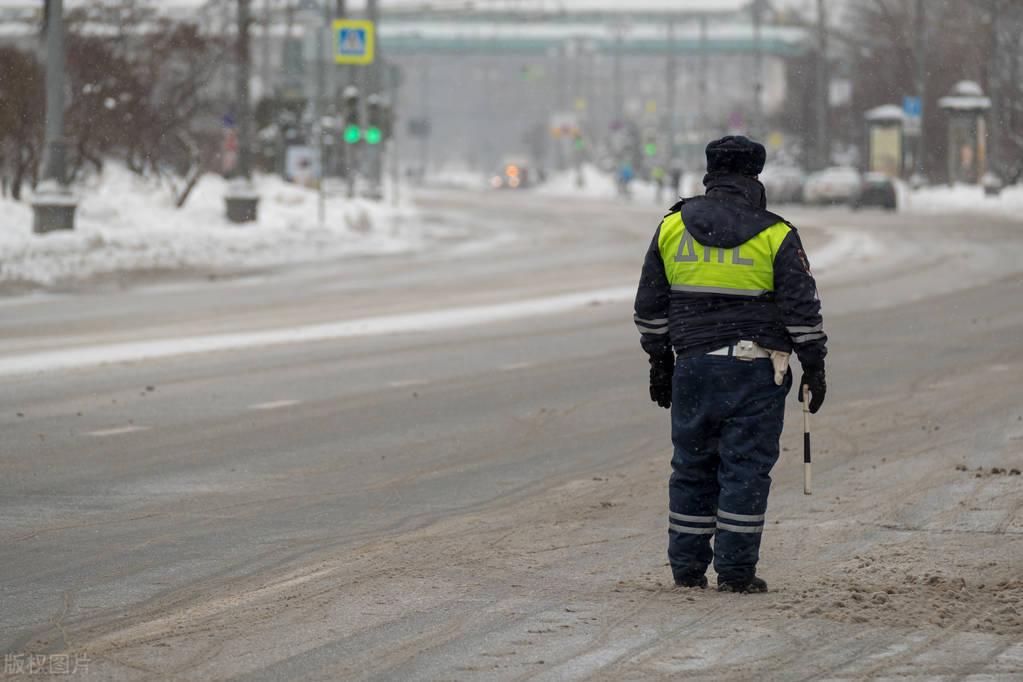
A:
(796, 297)
(652, 302)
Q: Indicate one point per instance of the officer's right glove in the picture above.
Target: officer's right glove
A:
(813, 376)
(662, 367)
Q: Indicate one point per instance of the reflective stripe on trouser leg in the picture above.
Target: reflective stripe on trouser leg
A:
(748, 450)
(693, 486)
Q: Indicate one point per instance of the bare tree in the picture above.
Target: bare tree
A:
(21, 128)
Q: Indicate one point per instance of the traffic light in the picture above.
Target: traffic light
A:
(650, 142)
(352, 128)
(378, 110)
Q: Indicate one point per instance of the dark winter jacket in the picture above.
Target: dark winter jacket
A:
(694, 320)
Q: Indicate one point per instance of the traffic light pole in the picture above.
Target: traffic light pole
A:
(758, 70)
(672, 76)
(53, 204)
(919, 48)
(822, 144)
(319, 112)
(375, 160)
(241, 198)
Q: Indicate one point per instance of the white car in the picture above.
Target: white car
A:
(784, 184)
(836, 185)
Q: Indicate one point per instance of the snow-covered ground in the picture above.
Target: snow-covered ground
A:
(126, 224)
(969, 199)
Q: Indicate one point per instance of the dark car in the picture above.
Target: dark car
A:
(877, 190)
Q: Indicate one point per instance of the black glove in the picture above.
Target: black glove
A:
(813, 376)
(662, 367)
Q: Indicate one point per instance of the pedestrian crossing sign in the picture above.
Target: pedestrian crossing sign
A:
(354, 41)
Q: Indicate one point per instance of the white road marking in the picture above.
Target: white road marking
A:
(408, 382)
(117, 431)
(274, 405)
(516, 365)
(434, 320)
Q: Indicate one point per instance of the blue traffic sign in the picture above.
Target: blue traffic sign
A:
(912, 106)
(353, 41)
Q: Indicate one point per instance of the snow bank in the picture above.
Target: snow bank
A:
(456, 178)
(125, 223)
(965, 199)
(598, 184)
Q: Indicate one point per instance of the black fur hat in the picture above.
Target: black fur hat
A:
(736, 154)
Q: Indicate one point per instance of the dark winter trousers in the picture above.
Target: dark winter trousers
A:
(726, 422)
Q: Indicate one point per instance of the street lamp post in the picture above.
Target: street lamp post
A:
(53, 204)
(241, 197)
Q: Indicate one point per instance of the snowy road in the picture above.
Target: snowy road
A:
(457, 473)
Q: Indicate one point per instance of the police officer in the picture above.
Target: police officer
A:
(725, 295)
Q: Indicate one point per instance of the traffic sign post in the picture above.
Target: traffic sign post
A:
(912, 107)
(354, 41)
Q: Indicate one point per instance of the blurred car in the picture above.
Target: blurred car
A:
(877, 189)
(513, 174)
(784, 184)
(836, 185)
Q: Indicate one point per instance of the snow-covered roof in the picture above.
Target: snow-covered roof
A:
(968, 89)
(885, 112)
(966, 96)
(965, 103)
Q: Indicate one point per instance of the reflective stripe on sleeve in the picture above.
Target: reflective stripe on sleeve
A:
(653, 323)
(808, 337)
(693, 289)
(805, 330)
(647, 330)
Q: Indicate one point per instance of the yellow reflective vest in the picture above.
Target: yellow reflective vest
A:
(746, 270)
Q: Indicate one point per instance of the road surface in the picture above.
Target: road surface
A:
(446, 466)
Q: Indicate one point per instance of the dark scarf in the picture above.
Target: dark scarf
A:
(735, 187)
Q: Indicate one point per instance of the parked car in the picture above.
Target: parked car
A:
(877, 189)
(784, 184)
(836, 185)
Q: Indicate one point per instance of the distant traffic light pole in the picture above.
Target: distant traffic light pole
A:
(351, 134)
(241, 197)
(376, 166)
(822, 144)
(758, 69)
(670, 93)
(53, 204)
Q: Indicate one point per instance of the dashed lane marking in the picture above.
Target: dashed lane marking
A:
(274, 405)
(117, 431)
(516, 365)
(407, 383)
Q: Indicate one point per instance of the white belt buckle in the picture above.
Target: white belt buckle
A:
(746, 350)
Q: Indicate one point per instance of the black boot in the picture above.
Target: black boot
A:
(691, 580)
(751, 586)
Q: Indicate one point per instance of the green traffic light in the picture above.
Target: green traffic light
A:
(373, 135)
(651, 149)
(352, 134)
(580, 145)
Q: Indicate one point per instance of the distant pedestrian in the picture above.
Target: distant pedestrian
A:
(726, 287)
(676, 178)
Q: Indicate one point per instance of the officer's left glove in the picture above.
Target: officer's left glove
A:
(662, 367)
(813, 377)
